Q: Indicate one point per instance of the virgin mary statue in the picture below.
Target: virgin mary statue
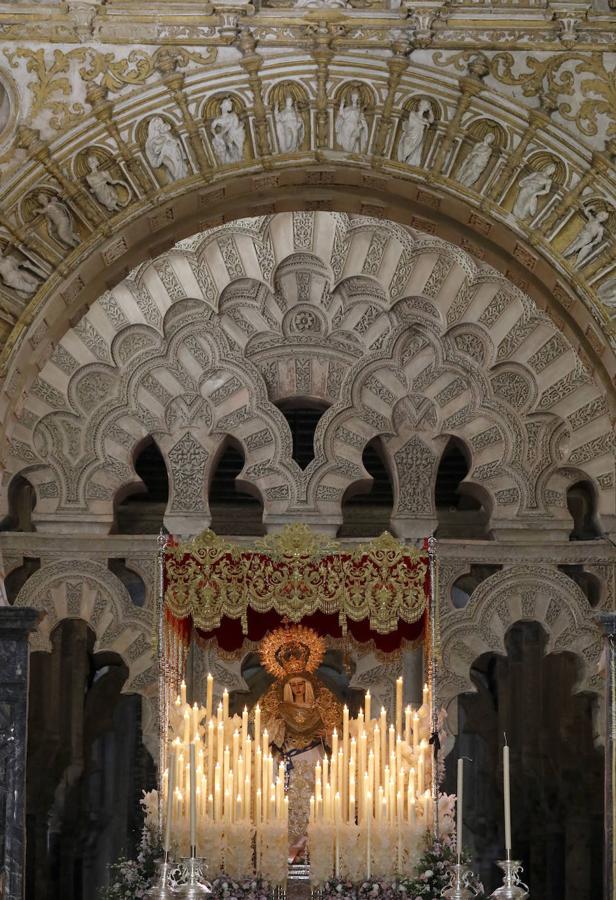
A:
(300, 714)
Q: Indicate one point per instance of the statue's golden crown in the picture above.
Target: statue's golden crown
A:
(291, 649)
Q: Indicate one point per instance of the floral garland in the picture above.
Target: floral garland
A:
(433, 869)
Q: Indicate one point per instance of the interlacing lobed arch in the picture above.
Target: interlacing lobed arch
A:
(400, 335)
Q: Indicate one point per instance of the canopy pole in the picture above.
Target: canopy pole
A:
(433, 669)
(163, 688)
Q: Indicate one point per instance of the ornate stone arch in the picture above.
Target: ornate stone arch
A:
(87, 590)
(537, 593)
(380, 321)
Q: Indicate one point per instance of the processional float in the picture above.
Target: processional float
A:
(222, 797)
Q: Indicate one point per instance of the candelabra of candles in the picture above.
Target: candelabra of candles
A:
(372, 794)
(223, 798)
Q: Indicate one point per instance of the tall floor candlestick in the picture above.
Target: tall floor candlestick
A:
(170, 792)
(507, 796)
(193, 800)
(459, 808)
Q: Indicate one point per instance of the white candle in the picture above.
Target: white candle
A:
(407, 725)
(244, 725)
(459, 807)
(507, 794)
(196, 716)
(183, 691)
(257, 731)
(367, 707)
(220, 736)
(225, 704)
(425, 695)
(186, 726)
(193, 801)
(170, 789)
(368, 834)
(399, 687)
(209, 695)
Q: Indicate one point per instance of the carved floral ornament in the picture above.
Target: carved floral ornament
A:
(397, 334)
(559, 202)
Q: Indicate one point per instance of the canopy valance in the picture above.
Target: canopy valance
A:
(376, 591)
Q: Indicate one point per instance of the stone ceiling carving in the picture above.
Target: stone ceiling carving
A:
(498, 139)
(398, 333)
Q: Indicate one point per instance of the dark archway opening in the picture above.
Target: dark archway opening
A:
(235, 507)
(459, 512)
(143, 510)
(582, 505)
(556, 770)
(303, 418)
(86, 767)
(22, 500)
(367, 508)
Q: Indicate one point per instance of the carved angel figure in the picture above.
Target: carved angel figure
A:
(351, 126)
(413, 133)
(475, 163)
(590, 235)
(104, 187)
(59, 219)
(163, 148)
(289, 127)
(228, 134)
(16, 276)
(535, 185)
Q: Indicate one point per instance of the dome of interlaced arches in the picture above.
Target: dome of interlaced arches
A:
(393, 333)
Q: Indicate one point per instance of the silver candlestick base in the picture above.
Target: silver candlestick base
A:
(512, 887)
(194, 885)
(462, 883)
(161, 890)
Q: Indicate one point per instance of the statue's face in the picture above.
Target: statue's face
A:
(355, 99)
(298, 686)
(92, 162)
(289, 102)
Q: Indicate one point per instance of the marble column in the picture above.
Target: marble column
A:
(607, 621)
(15, 626)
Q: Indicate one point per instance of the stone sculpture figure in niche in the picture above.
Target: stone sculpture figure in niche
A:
(475, 163)
(163, 148)
(535, 185)
(15, 276)
(607, 292)
(351, 126)
(589, 236)
(413, 133)
(104, 187)
(59, 220)
(289, 127)
(228, 134)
